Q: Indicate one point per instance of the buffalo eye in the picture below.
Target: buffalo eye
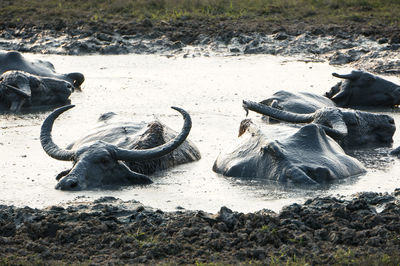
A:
(104, 161)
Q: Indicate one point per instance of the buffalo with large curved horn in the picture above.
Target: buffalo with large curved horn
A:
(349, 128)
(119, 153)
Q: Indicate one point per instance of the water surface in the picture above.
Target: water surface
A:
(211, 89)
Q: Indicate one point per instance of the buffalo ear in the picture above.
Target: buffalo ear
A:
(62, 174)
(355, 74)
(134, 178)
(23, 90)
(139, 179)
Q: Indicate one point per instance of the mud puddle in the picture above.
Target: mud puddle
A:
(141, 87)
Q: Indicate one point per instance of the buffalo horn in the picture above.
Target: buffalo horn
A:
(277, 113)
(156, 152)
(351, 76)
(47, 141)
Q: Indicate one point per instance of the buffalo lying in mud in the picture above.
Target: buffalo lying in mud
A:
(364, 89)
(350, 128)
(119, 153)
(20, 89)
(360, 89)
(16, 61)
(301, 156)
(298, 102)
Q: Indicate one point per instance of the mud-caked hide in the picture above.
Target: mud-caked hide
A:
(119, 153)
(16, 61)
(298, 102)
(20, 89)
(302, 156)
(350, 128)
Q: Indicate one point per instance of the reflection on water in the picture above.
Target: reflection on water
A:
(139, 87)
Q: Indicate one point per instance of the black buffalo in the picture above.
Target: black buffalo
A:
(119, 153)
(364, 90)
(298, 102)
(20, 89)
(286, 154)
(351, 128)
(16, 61)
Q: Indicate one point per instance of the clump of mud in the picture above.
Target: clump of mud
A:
(109, 230)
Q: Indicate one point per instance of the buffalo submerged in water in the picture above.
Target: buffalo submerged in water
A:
(286, 154)
(16, 61)
(350, 128)
(119, 153)
(307, 151)
(364, 89)
(359, 89)
(20, 90)
(28, 83)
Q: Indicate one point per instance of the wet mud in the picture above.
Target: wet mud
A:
(323, 230)
(371, 48)
(109, 231)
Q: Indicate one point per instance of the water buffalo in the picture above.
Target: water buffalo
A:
(20, 89)
(298, 102)
(300, 156)
(119, 153)
(350, 128)
(364, 89)
(16, 61)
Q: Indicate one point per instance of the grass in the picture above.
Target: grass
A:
(341, 257)
(322, 11)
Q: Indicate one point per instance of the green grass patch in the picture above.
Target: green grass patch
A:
(322, 11)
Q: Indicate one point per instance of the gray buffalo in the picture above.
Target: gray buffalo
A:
(287, 154)
(16, 61)
(20, 89)
(298, 102)
(364, 89)
(119, 153)
(350, 128)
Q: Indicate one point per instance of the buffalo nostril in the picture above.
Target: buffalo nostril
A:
(391, 121)
(71, 183)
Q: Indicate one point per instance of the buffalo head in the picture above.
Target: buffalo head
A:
(349, 127)
(364, 89)
(16, 61)
(18, 89)
(99, 163)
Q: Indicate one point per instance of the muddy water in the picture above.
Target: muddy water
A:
(141, 87)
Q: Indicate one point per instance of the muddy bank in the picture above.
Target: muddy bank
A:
(321, 231)
(371, 48)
